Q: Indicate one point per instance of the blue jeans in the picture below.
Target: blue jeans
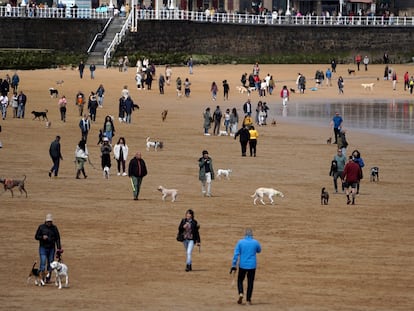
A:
(46, 254)
(188, 245)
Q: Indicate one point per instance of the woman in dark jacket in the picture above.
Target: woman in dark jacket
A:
(188, 230)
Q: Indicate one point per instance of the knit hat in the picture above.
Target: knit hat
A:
(205, 152)
(49, 217)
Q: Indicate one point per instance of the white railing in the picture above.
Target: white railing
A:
(34, 12)
(269, 19)
(117, 40)
(228, 18)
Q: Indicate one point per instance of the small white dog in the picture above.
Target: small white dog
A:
(270, 192)
(222, 172)
(154, 144)
(106, 172)
(166, 192)
(223, 133)
(61, 270)
(241, 89)
(368, 86)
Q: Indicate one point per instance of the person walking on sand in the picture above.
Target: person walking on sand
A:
(336, 124)
(254, 134)
(81, 156)
(49, 239)
(207, 121)
(366, 62)
(284, 94)
(55, 155)
(206, 173)
(245, 255)
(188, 231)
(137, 170)
(244, 134)
(121, 154)
(351, 177)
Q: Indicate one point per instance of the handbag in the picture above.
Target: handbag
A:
(180, 237)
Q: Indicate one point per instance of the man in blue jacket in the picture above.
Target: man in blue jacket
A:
(245, 253)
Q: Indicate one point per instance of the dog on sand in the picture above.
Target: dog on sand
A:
(292, 90)
(324, 197)
(154, 144)
(166, 192)
(40, 114)
(374, 176)
(368, 86)
(9, 184)
(270, 192)
(61, 271)
(164, 115)
(223, 133)
(38, 276)
(48, 124)
(106, 172)
(329, 141)
(224, 172)
(351, 71)
(53, 92)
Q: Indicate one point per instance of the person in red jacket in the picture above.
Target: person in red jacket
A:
(351, 176)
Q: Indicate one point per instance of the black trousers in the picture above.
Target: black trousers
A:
(250, 281)
(252, 145)
(243, 145)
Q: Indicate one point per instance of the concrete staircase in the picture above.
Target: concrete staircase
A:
(96, 56)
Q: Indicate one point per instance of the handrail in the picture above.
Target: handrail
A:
(99, 35)
(270, 18)
(117, 40)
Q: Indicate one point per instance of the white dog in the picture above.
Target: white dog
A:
(166, 192)
(241, 89)
(61, 271)
(222, 172)
(223, 133)
(368, 86)
(270, 192)
(154, 144)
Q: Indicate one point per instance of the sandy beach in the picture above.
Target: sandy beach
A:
(122, 254)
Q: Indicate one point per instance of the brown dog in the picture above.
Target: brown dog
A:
(324, 196)
(164, 115)
(9, 184)
(329, 141)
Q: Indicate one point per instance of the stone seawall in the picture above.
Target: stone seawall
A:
(215, 39)
(68, 35)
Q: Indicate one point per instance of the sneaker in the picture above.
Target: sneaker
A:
(124, 174)
(348, 201)
(50, 174)
(208, 195)
(118, 174)
(240, 300)
(249, 302)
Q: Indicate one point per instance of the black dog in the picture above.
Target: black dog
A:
(292, 90)
(324, 197)
(38, 114)
(329, 141)
(351, 71)
(374, 174)
(53, 92)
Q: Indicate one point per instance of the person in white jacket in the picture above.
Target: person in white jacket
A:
(121, 154)
(81, 155)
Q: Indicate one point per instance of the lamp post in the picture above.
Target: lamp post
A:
(341, 4)
(287, 8)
